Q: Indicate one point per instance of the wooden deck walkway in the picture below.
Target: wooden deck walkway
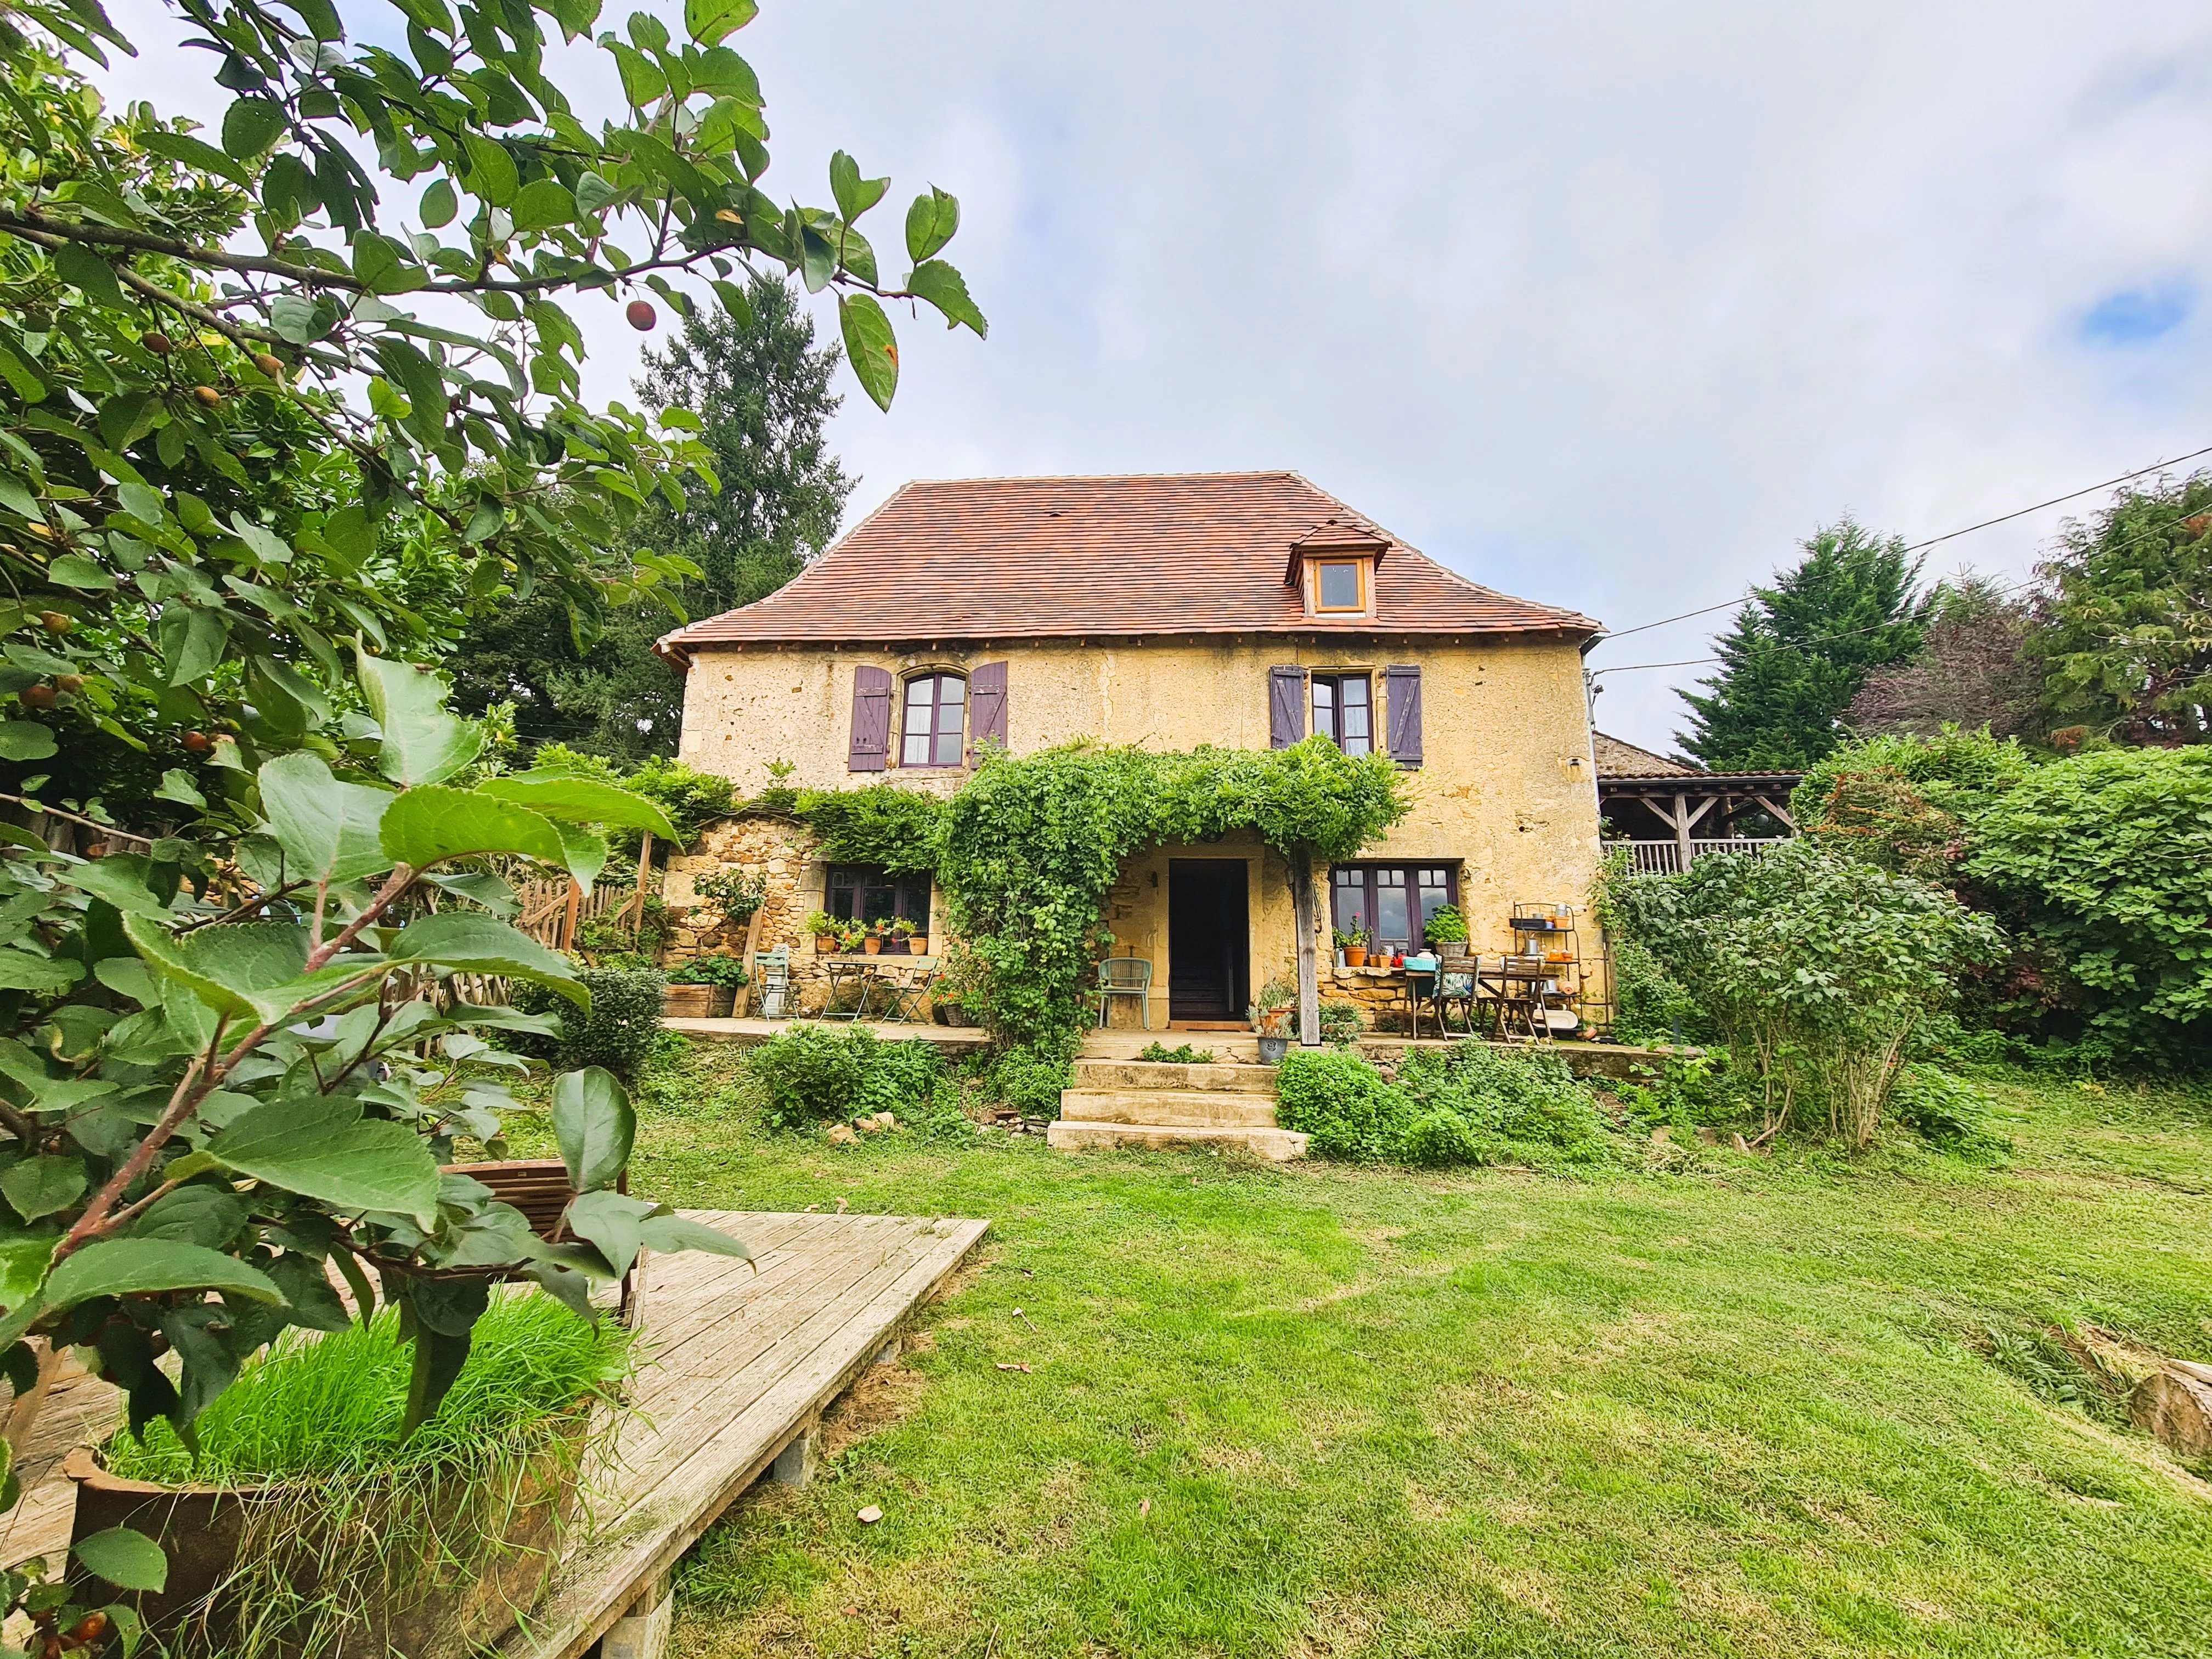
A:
(741, 1360)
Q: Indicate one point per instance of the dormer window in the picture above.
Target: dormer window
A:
(1332, 566)
(1341, 585)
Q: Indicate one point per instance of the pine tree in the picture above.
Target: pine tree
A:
(1798, 651)
(761, 388)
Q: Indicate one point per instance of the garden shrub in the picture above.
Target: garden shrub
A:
(814, 1075)
(1342, 1102)
(883, 824)
(1182, 1054)
(1817, 970)
(1030, 1080)
(618, 1032)
(2102, 860)
(1946, 1112)
(1472, 1103)
(1651, 1006)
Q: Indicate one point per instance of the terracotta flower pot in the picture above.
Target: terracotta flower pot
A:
(825, 943)
(919, 945)
(872, 946)
(1355, 955)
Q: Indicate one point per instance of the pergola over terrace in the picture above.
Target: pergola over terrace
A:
(1663, 805)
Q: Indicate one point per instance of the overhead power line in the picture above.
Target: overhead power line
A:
(1916, 547)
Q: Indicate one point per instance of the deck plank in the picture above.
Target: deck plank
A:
(705, 1431)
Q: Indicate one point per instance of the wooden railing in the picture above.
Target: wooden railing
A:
(1664, 858)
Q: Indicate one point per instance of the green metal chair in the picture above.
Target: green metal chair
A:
(1126, 976)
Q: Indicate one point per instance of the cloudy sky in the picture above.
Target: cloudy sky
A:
(1604, 304)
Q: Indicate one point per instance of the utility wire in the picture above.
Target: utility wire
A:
(2005, 517)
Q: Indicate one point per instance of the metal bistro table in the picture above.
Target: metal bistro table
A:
(899, 982)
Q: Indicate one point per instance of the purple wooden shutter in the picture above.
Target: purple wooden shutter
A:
(1403, 687)
(1286, 706)
(871, 720)
(986, 707)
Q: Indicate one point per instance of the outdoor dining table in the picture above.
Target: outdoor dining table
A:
(896, 980)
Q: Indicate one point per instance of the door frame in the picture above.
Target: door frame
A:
(1232, 874)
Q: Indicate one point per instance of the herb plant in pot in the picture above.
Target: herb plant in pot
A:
(705, 988)
(1446, 928)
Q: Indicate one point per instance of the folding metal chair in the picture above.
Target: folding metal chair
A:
(906, 999)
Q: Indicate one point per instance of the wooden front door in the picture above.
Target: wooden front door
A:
(1209, 943)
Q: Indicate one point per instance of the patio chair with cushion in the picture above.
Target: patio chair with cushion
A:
(1126, 976)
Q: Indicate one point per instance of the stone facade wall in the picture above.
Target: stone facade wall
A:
(783, 851)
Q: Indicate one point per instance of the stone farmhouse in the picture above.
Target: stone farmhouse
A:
(1243, 610)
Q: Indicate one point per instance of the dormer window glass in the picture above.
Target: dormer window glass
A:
(1339, 585)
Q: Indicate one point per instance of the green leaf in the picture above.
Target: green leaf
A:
(427, 825)
(468, 942)
(25, 741)
(181, 147)
(669, 1233)
(491, 174)
(23, 1258)
(854, 194)
(121, 880)
(423, 742)
(191, 642)
(641, 79)
(328, 829)
(39, 1186)
(207, 1216)
(930, 223)
(438, 1359)
(325, 1149)
(440, 203)
(148, 1267)
(542, 203)
(871, 345)
(311, 1300)
(74, 570)
(580, 800)
(250, 126)
(594, 1124)
(130, 1560)
(225, 966)
(584, 851)
(40, 976)
(81, 268)
(610, 1222)
(177, 785)
(710, 20)
(946, 289)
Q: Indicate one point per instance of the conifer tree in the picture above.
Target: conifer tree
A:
(1798, 651)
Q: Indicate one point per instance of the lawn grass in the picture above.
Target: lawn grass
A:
(1736, 1409)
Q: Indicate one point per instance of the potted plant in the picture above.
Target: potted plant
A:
(918, 939)
(303, 1520)
(705, 988)
(850, 936)
(872, 936)
(1355, 945)
(825, 929)
(1340, 938)
(1270, 1013)
(901, 942)
(1446, 927)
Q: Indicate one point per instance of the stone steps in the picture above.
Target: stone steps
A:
(1276, 1146)
(1169, 1108)
(1118, 1100)
(1152, 1074)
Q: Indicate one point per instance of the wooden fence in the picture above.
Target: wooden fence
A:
(1664, 858)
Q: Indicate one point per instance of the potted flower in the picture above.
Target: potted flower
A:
(1445, 929)
(901, 940)
(1355, 945)
(851, 935)
(1270, 1013)
(825, 929)
(872, 938)
(705, 988)
(918, 940)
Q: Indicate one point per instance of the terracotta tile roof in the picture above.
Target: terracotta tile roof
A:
(1193, 553)
(1620, 759)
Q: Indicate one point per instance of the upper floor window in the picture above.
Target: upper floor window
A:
(1343, 711)
(935, 725)
(1341, 585)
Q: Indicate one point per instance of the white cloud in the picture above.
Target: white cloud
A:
(1605, 304)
